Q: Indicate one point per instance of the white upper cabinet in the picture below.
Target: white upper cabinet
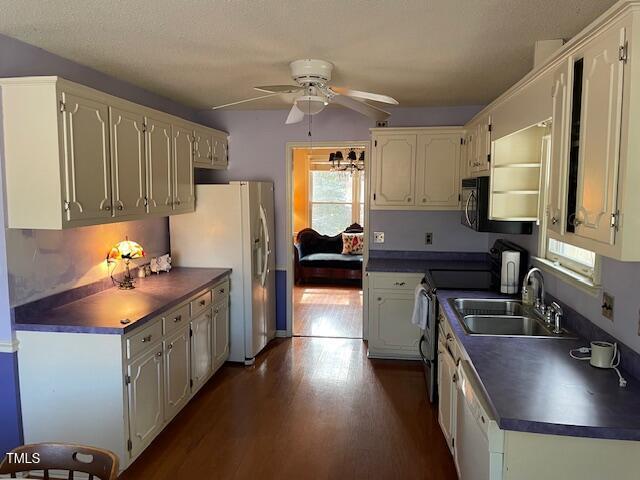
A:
(394, 169)
(438, 169)
(86, 159)
(159, 166)
(128, 178)
(600, 125)
(416, 168)
(183, 188)
(556, 195)
(98, 158)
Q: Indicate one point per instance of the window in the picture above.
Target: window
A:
(336, 200)
(571, 257)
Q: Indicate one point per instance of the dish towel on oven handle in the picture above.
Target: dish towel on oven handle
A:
(421, 307)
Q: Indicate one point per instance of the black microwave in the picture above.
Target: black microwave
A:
(475, 210)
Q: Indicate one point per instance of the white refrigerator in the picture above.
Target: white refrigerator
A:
(232, 227)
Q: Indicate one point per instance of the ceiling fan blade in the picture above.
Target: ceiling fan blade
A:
(279, 88)
(376, 97)
(361, 107)
(245, 101)
(295, 115)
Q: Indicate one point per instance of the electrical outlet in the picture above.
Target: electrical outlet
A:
(428, 238)
(607, 305)
(378, 237)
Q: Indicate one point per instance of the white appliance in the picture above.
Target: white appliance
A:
(233, 227)
(510, 272)
(479, 442)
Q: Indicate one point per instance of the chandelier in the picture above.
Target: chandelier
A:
(353, 162)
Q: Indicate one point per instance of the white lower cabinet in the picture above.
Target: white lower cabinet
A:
(177, 368)
(390, 307)
(146, 398)
(119, 392)
(447, 394)
(201, 349)
(220, 330)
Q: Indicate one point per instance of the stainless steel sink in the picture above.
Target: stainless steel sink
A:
(501, 317)
(487, 306)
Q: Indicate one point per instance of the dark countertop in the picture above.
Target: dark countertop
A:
(421, 262)
(534, 386)
(102, 312)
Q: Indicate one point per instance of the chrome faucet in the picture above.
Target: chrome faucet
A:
(557, 317)
(539, 305)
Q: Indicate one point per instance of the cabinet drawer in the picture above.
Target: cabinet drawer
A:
(396, 281)
(175, 319)
(221, 292)
(200, 303)
(143, 340)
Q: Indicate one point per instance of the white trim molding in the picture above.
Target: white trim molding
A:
(9, 346)
(282, 334)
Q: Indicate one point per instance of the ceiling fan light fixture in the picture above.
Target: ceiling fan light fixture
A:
(311, 104)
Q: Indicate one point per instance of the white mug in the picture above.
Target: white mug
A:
(603, 354)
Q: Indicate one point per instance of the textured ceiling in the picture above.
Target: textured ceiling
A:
(203, 53)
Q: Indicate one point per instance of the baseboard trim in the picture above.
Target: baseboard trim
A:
(281, 334)
(10, 346)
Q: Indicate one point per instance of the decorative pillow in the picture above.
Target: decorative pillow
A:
(352, 243)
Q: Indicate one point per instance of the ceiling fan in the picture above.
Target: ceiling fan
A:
(315, 93)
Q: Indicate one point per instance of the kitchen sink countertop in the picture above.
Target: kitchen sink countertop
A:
(102, 312)
(534, 386)
(421, 262)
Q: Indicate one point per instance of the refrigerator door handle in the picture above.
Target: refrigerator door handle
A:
(267, 249)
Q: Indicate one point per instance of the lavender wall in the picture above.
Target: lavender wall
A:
(37, 259)
(257, 151)
(621, 279)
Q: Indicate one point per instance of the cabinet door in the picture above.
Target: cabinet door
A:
(146, 399)
(220, 333)
(201, 358)
(177, 368)
(86, 159)
(202, 148)
(557, 176)
(446, 370)
(390, 327)
(438, 170)
(600, 125)
(483, 139)
(183, 189)
(220, 154)
(395, 169)
(128, 179)
(159, 167)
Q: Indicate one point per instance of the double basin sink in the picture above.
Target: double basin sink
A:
(502, 317)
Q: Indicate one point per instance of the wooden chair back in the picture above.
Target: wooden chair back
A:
(97, 463)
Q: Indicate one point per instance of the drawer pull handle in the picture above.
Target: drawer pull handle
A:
(177, 319)
(203, 303)
(399, 284)
(146, 339)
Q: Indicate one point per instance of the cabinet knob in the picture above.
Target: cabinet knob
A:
(408, 199)
(203, 303)
(159, 354)
(221, 290)
(177, 319)
(449, 337)
(146, 339)
(424, 200)
(399, 284)
(107, 208)
(170, 346)
(216, 311)
(454, 379)
(120, 207)
(554, 220)
(379, 299)
(177, 202)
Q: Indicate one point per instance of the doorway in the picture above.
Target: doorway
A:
(327, 187)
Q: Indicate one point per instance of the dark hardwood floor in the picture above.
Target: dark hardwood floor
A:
(310, 408)
(327, 311)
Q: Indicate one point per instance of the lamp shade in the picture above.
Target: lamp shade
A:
(126, 250)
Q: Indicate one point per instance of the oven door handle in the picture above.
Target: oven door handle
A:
(425, 360)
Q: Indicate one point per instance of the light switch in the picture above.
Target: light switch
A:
(378, 237)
